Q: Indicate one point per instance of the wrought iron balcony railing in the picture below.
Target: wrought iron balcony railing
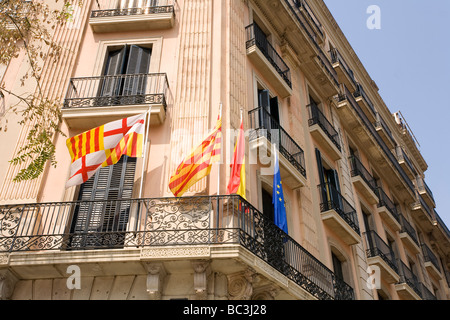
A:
(408, 228)
(423, 187)
(377, 247)
(331, 199)
(388, 203)
(408, 277)
(426, 294)
(401, 156)
(255, 36)
(306, 9)
(205, 220)
(429, 256)
(264, 125)
(317, 117)
(361, 93)
(358, 169)
(124, 89)
(113, 8)
(336, 57)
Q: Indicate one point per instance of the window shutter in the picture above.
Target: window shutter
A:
(110, 85)
(138, 63)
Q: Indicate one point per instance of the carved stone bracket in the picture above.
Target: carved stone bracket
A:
(7, 284)
(155, 280)
(240, 285)
(202, 270)
(268, 292)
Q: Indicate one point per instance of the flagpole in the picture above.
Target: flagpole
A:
(145, 147)
(221, 149)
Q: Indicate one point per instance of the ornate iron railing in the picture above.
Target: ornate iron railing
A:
(408, 277)
(124, 89)
(386, 202)
(423, 187)
(401, 155)
(331, 199)
(264, 125)
(426, 294)
(206, 220)
(113, 8)
(377, 247)
(317, 117)
(361, 93)
(308, 12)
(380, 123)
(255, 36)
(358, 169)
(336, 57)
(429, 256)
(408, 228)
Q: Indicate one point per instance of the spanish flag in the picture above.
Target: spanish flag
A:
(198, 164)
(104, 146)
(237, 178)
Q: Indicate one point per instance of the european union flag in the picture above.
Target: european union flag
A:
(278, 198)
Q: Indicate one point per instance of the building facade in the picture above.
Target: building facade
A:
(362, 221)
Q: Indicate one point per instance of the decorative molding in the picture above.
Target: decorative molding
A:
(4, 259)
(180, 252)
(268, 292)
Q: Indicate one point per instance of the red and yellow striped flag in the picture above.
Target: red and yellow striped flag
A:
(104, 146)
(236, 184)
(198, 164)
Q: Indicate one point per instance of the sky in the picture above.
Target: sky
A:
(408, 57)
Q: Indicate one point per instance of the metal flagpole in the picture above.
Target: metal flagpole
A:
(221, 149)
(145, 147)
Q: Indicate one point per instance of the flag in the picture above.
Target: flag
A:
(236, 184)
(104, 146)
(198, 164)
(278, 197)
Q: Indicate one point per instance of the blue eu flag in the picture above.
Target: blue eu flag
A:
(278, 198)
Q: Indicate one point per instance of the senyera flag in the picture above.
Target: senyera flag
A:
(197, 164)
(236, 184)
(104, 146)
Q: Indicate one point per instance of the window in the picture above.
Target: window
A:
(329, 182)
(125, 75)
(337, 266)
(101, 217)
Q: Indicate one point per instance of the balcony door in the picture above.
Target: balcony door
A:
(329, 185)
(101, 217)
(269, 115)
(125, 75)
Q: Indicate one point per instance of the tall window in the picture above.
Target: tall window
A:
(125, 75)
(101, 217)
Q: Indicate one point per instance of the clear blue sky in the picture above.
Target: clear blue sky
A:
(409, 59)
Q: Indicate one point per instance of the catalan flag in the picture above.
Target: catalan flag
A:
(104, 146)
(197, 164)
(236, 184)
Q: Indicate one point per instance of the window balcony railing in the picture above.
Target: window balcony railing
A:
(425, 191)
(408, 277)
(405, 161)
(110, 8)
(364, 101)
(384, 131)
(358, 169)
(130, 15)
(307, 11)
(426, 294)
(346, 74)
(255, 36)
(386, 202)
(117, 90)
(376, 247)
(331, 199)
(189, 221)
(317, 117)
(408, 229)
(429, 256)
(264, 125)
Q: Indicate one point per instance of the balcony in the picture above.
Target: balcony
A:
(345, 74)
(324, 133)
(408, 236)
(338, 214)
(425, 192)
(426, 294)
(405, 162)
(424, 213)
(226, 229)
(382, 256)
(127, 15)
(408, 287)
(267, 131)
(388, 211)
(384, 131)
(310, 17)
(363, 180)
(365, 103)
(93, 101)
(431, 262)
(268, 61)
